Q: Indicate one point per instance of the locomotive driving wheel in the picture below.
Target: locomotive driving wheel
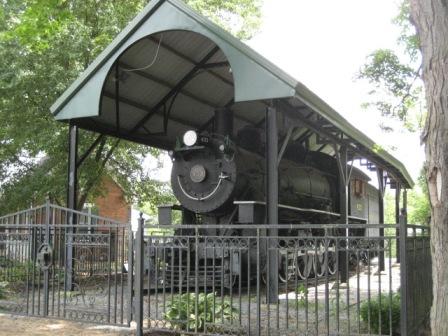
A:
(304, 265)
(325, 258)
(287, 265)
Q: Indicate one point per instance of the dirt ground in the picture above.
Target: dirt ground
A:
(13, 325)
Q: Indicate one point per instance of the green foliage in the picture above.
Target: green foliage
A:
(419, 210)
(13, 275)
(395, 77)
(240, 17)
(19, 272)
(44, 46)
(396, 89)
(3, 290)
(389, 207)
(211, 310)
(373, 313)
(302, 292)
(408, 37)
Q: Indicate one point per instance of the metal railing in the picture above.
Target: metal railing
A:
(416, 278)
(66, 264)
(214, 279)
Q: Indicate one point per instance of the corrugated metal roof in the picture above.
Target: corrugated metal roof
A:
(165, 42)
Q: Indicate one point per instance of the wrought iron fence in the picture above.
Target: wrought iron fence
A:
(416, 279)
(211, 279)
(66, 264)
(216, 279)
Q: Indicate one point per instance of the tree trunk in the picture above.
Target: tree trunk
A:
(430, 18)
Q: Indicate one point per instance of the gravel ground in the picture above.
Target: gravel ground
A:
(13, 325)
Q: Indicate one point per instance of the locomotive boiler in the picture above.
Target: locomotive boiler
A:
(212, 171)
(219, 177)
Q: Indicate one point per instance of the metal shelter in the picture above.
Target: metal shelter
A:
(171, 69)
(174, 68)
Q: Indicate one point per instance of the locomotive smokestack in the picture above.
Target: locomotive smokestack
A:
(224, 121)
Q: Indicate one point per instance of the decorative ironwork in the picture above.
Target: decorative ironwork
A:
(52, 266)
(44, 256)
(211, 284)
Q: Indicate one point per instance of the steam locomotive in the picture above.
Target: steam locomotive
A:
(219, 178)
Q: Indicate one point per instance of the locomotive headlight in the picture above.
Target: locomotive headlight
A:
(190, 138)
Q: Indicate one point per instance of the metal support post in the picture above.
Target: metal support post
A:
(405, 205)
(397, 219)
(381, 190)
(272, 201)
(72, 187)
(344, 180)
(130, 274)
(72, 190)
(139, 273)
(403, 274)
(117, 96)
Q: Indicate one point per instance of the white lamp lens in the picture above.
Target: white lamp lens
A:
(190, 138)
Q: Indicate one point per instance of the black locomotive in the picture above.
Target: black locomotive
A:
(212, 171)
(220, 178)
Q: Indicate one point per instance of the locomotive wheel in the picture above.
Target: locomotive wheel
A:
(286, 267)
(230, 281)
(304, 264)
(321, 263)
(332, 259)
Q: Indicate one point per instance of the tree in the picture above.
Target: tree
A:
(396, 89)
(430, 18)
(396, 77)
(44, 45)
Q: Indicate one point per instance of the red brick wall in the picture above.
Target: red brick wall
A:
(112, 204)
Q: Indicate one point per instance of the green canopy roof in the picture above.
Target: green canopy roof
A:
(170, 68)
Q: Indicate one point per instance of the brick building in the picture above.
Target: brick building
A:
(112, 203)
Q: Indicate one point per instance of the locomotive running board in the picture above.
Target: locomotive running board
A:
(248, 207)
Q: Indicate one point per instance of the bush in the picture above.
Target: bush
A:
(375, 311)
(302, 293)
(3, 290)
(181, 312)
(20, 271)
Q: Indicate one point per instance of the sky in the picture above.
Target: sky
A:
(323, 44)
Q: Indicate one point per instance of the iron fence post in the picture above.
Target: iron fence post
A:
(327, 288)
(130, 273)
(272, 201)
(258, 319)
(72, 189)
(46, 269)
(33, 240)
(139, 276)
(403, 278)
